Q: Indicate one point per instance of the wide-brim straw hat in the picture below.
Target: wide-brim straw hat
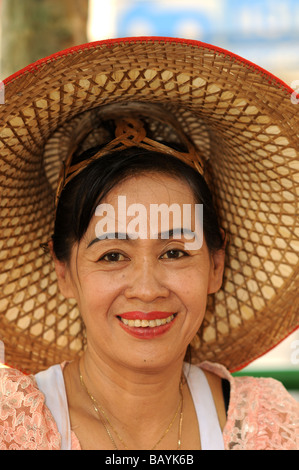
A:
(245, 123)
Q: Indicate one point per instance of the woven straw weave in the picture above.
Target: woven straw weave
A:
(244, 123)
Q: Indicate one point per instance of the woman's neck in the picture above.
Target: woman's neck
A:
(140, 405)
(139, 389)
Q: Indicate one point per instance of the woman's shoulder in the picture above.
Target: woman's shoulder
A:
(25, 421)
(262, 414)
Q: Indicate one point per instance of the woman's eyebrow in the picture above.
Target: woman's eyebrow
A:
(110, 236)
(176, 232)
(172, 233)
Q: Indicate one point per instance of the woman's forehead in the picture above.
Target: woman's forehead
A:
(148, 208)
(152, 187)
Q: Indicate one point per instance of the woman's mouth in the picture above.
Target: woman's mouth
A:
(146, 325)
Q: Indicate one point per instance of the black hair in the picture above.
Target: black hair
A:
(80, 197)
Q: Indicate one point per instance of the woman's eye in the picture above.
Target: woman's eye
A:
(113, 256)
(173, 254)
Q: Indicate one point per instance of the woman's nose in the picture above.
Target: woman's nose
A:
(146, 283)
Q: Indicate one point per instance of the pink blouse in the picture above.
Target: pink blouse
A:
(262, 415)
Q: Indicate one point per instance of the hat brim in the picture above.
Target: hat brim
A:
(240, 116)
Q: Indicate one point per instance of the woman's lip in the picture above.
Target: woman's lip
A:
(148, 332)
(137, 315)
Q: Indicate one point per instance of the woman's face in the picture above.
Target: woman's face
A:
(142, 299)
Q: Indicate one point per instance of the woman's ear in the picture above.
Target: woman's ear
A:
(216, 271)
(63, 274)
(217, 267)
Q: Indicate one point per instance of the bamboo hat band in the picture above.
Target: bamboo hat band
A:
(129, 132)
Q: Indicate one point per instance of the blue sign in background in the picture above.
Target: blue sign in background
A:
(263, 31)
(239, 20)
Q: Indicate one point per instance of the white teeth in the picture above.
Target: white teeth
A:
(147, 323)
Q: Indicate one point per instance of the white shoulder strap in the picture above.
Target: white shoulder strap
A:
(51, 383)
(210, 432)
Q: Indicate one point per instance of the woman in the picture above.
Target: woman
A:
(135, 133)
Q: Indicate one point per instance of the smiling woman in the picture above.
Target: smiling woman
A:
(142, 299)
(139, 280)
(177, 178)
